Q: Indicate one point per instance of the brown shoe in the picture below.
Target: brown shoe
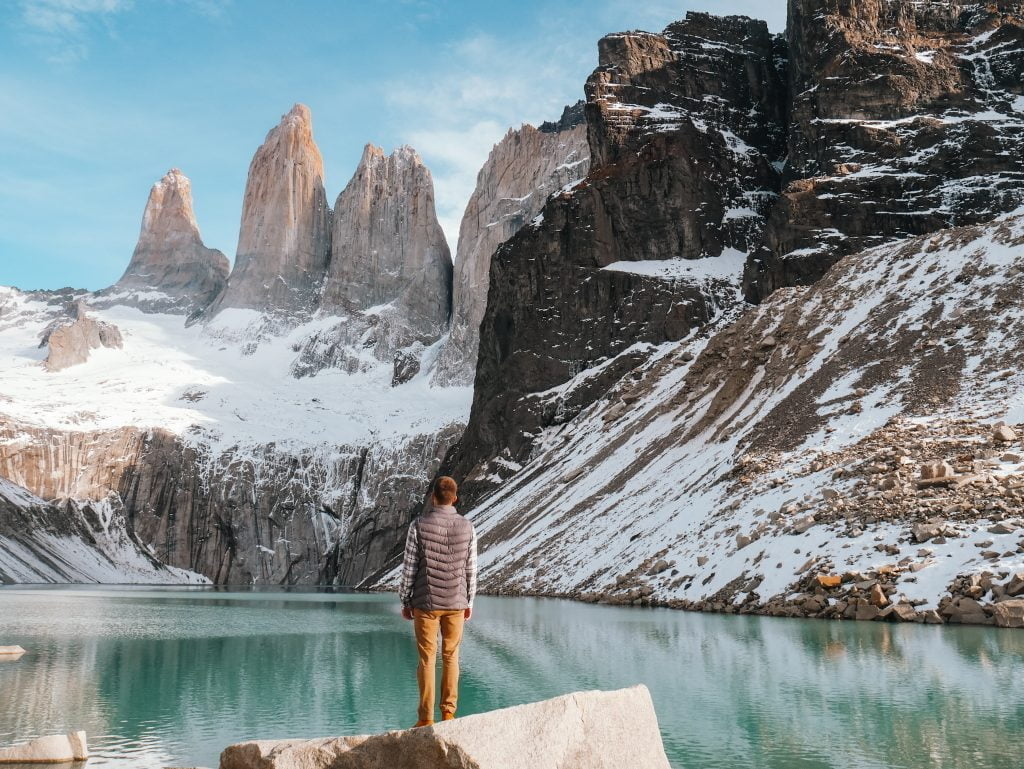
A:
(446, 716)
(423, 723)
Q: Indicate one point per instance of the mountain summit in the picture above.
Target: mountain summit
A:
(171, 268)
(284, 240)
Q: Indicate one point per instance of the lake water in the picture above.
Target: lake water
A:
(169, 677)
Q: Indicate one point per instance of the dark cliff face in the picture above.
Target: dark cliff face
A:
(271, 516)
(682, 169)
(906, 118)
(870, 121)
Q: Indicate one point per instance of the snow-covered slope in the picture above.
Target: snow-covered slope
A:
(230, 457)
(230, 382)
(732, 469)
(70, 542)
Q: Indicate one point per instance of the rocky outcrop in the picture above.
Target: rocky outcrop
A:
(56, 749)
(683, 130)
(388, 253)
(70, 342)
(171, 270)
(69, 541)
(522, 171)
(248, 515)
(284, 240)
(596, 730)
(907, 117)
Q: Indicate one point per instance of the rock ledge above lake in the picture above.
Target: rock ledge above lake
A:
(596, 730)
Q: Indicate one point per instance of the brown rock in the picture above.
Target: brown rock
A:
(1009, 613)
(866, 612)
(1004, 434)
(877, 597)
(69, 344)
(829, 580)
(1015, 586)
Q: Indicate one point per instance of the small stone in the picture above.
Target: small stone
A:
(1009, 613)
(922, 532)
(702, 560)
(803, 524)
(877, 597)
(1015, 586)
(937, 471)
(1004, 434)
(659, 566)
(829, 580)
(866, 612)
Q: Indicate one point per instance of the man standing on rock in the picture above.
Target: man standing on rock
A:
(437, 590)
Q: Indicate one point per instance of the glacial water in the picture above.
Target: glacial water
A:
(169, 677)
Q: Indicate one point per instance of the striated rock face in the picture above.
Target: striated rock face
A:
(69, 541)
(247, 515)
(683, 129)
(907, 117)
(596, 730)
(69, 343)
(284, 240)
(171, 270)
(521, 172)
(388, 249)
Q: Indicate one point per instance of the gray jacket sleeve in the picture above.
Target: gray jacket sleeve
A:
(409, 566)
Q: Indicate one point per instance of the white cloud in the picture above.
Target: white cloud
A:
(61, 28)
(457, 111)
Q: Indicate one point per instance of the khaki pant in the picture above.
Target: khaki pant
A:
(427, 624)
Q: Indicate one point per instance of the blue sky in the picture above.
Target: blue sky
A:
(98, 98)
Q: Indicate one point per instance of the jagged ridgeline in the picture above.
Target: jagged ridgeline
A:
(272, 422)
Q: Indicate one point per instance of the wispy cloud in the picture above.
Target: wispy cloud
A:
(458, 110)
(62, 29)
(211, 9)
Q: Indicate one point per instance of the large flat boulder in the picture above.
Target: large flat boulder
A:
(585, 730)
(53, 749)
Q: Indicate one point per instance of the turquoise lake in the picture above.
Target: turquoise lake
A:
(169, 677)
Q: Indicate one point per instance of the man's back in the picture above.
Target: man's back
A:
(443, 564)
(437, 590)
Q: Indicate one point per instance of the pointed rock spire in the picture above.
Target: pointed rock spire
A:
(170, 258)
(284, 240)
(387, 246)
(522, 170)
